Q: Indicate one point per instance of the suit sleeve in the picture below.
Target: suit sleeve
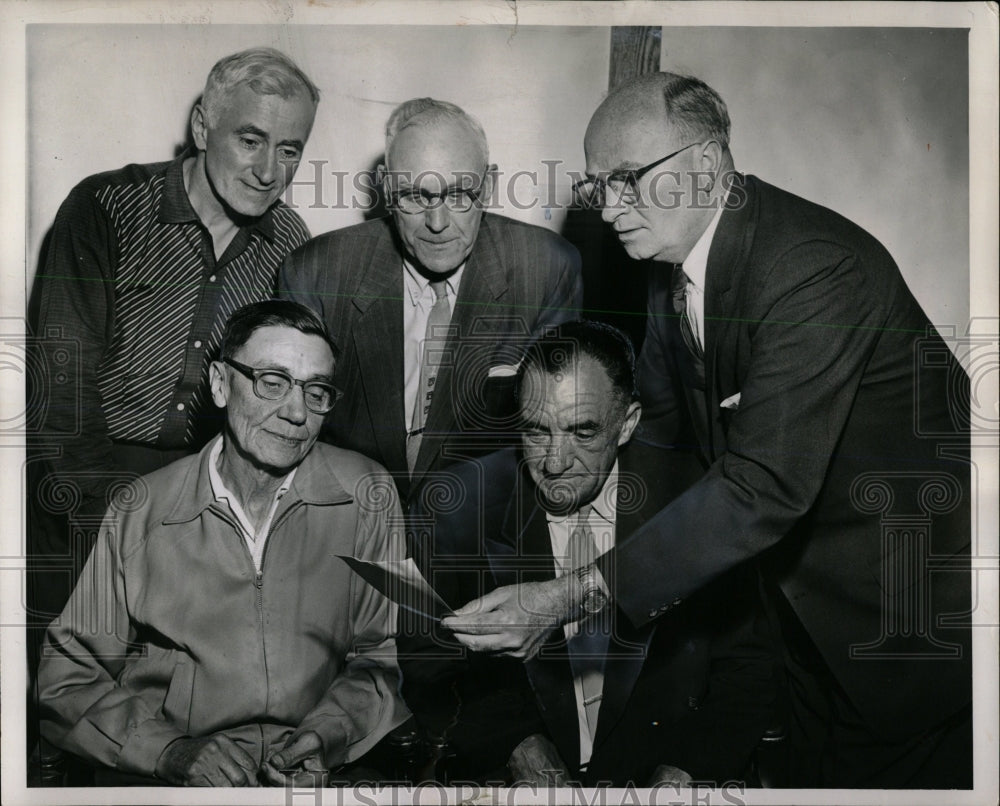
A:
(75, 285)
(299, 281)
(563, 300)
(363, 704)
(86, 707)
(816, 325)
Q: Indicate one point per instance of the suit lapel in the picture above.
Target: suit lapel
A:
(727, 255)
(549, 672)
(483, 282)
(378, 340)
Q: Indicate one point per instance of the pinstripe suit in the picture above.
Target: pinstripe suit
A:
(518, 279)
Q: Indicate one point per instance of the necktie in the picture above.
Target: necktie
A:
(434, 341)
(588, 647)
(679, 288)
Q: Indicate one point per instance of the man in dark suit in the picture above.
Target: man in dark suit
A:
(788, 347)
(617, 700)
(431, 306)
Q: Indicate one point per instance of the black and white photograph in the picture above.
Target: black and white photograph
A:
(499, 402)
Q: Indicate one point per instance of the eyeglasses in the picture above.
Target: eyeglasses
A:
(593, 191)
(458, 200)
(273, 384)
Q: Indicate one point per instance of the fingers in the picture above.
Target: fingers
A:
(235, 764)
(304, 745)
(482, 605)
(272, 776)
(304, 753)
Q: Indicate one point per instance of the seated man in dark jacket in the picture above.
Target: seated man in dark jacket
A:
(696, 693)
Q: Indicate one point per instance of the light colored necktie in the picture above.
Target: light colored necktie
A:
(588, 647)
(434, 341)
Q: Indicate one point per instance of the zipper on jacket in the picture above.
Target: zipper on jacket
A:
(258, 582)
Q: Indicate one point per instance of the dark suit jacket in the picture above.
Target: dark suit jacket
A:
(844, 467)
(517, 280)
(696, 692)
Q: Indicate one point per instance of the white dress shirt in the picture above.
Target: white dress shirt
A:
(695, 267)
(601, 521)
(418, 293)
(254, 538)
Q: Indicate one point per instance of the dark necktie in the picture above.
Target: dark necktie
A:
(434, 341)
(678, 286)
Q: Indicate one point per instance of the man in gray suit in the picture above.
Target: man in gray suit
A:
(430, 306)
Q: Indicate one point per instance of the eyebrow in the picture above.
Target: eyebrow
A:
(249, 128)
(279, 368)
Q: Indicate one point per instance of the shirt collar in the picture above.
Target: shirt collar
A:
(416, 284)
(316, 482)
(175, 206)
(605, 503)
(696, 263)
(219, 488)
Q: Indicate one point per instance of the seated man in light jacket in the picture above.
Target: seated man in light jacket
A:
(215, 637)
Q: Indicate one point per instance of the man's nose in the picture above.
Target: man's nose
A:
(436, 216)
(613, 207)
(558, 457)
(293, 407)
(266, 166)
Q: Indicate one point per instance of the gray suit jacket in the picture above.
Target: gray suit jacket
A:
(518, 279)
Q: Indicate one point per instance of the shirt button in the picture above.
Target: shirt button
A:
(197, 344)
(677, 601)
(211, 279)
(653, 613)
(180, 407)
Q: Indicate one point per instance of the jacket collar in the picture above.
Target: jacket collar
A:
(315, 482)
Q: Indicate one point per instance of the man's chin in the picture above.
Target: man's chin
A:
(436, 264)
(558, 502)
(635, 250)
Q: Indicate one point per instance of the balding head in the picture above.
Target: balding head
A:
(436, 180)
(429, 116)
(660, 145)
(688, 106)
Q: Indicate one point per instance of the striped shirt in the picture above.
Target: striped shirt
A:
(131, 287)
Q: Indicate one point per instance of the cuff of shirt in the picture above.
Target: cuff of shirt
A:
(143, 748)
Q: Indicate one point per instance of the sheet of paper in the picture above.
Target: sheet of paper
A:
(402, 582)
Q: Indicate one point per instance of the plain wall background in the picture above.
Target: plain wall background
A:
(100, 97)
(870, 122)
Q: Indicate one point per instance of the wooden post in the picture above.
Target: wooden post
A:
(635, 50)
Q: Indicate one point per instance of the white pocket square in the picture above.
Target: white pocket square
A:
(732, 402)
(502, 371)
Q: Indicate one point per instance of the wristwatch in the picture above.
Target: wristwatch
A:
(594, 598)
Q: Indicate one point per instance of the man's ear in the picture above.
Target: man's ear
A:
(217, 383)
(632, 416)
(711, 157)
(199, 127)
(486, 191)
